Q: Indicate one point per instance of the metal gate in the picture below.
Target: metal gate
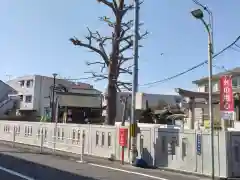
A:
(235, 144)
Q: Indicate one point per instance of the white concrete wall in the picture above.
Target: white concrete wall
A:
(161, 146)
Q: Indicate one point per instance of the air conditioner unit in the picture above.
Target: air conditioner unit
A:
(14, 96)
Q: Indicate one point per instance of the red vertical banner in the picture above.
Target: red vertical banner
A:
(226, 98)
(123, 137)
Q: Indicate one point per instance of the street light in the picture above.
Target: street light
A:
(54, 119)
(198, 14)
(53, 96)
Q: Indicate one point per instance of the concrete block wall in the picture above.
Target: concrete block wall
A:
(160, 145)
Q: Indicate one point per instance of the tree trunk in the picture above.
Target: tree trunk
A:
(113, 74)
(111, 101)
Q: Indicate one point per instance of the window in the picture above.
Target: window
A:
(29, 83)
(206, 88)
(28, 99)
(21, 83)
(21, 97)
(235, 82)
(216, 87)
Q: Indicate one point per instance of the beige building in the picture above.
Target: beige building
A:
(202, 84)
(197, 102)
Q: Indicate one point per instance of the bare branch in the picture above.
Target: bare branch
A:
(107, 20)
(96, 76)
(102, 65)
(129, 42)
(126, 70)
(123, 59)
(126, 9)
(93, 36)
(124, 85)
(106, 2)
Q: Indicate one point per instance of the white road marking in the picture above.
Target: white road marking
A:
(15, 173)
(129, 172)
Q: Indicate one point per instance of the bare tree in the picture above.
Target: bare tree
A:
(115, 63)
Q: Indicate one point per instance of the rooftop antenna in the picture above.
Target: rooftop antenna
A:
(8, 77)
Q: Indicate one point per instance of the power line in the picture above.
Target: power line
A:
(237, 45)
(235, 49)
(194, 67)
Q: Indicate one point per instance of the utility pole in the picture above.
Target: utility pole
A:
(133, 126)
(53, 97)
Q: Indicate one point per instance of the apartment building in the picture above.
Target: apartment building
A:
(35, 93)
(202, 84)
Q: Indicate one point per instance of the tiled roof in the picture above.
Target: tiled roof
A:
(235, 71)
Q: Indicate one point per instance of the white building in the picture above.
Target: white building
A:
(6, 102)
(119, 109)
(35, 92)
(154, 100)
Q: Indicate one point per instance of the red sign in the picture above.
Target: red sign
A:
(123, 137)
(226, 94)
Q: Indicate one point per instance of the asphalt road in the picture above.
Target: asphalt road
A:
(8, 176)
(35, 166)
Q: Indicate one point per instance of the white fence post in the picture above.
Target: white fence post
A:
(14, 136)
(41, 140)
(82, 147)
(55, 137)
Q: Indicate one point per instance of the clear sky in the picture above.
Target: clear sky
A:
(34, 39)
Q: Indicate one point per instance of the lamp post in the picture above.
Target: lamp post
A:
(198, 14)
(53, 96)
(54, 119)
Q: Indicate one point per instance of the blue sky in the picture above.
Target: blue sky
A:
(34, 39)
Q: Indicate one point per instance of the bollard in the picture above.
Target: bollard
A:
(41, 140)
(82, 147)
(14, 136)
(55, 138)
(122, 155)
(141, 145)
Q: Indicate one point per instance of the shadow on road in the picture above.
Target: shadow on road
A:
(37, 171)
